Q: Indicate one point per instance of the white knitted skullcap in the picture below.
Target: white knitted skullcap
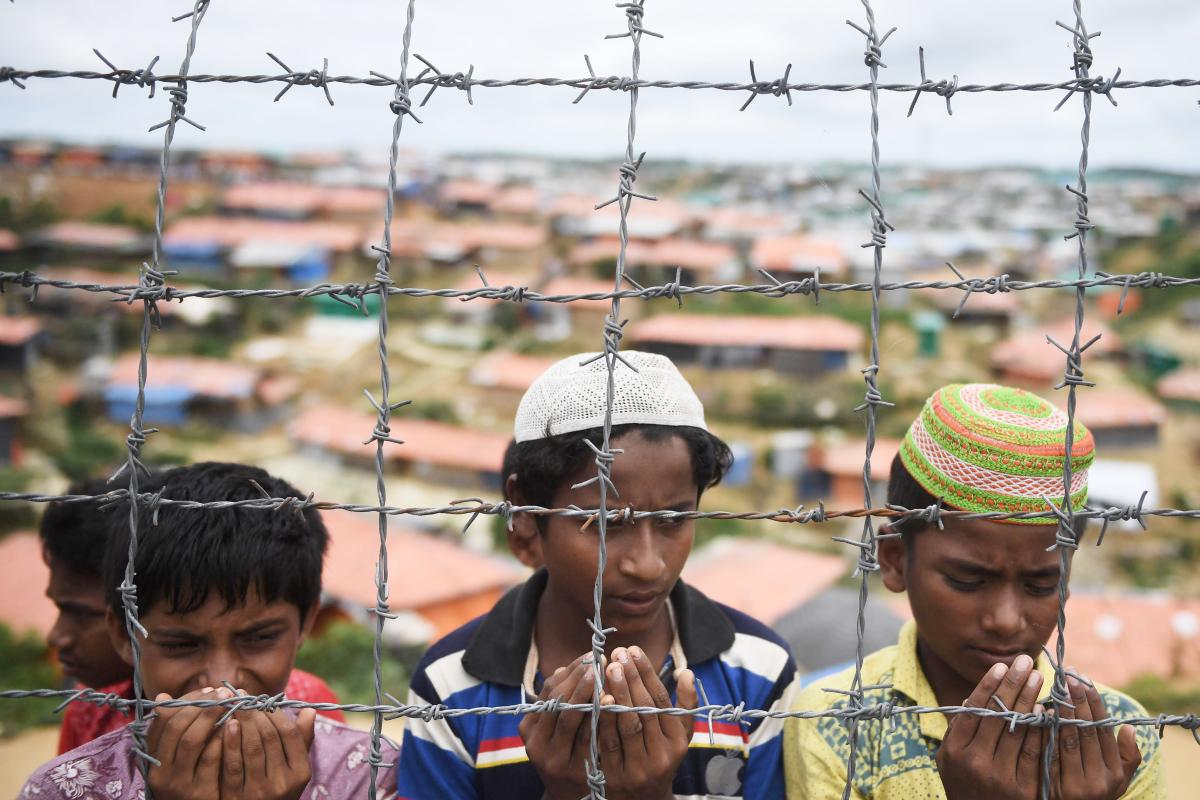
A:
(571, 396)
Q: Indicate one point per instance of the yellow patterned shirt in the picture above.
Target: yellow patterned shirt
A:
(895, 759)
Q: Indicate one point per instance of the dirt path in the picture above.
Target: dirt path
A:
(21, 755)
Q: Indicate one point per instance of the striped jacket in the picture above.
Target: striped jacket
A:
(737, 658)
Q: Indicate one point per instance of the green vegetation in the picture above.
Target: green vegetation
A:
(434, 410)
(796, 405)
(1168, 553)
(709, 529)
(343, 655)
(116, 214)
(15, 516)
(1172, 252)
(25, 664)
(853, 307)
(1163, 696)
(88, 451)
(27, 217)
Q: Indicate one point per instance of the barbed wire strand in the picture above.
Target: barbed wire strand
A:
(886, 711)
(400, 106)
(1066, 537)
(352, 294)
(613, 331)
(153, 276)
(503, 509)
(868, 562)
(466, 82)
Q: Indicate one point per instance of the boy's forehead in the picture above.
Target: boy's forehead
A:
(988, 541)
(644, 465)
(217, 613)
(66, 581)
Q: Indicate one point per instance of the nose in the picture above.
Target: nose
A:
(221, 665)
(60, 636)
(1005, 617)
(640, 558)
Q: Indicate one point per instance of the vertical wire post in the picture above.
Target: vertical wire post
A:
(152, 280)
(381, 435)
(867, 545)
(613, 331)
(1066, 538)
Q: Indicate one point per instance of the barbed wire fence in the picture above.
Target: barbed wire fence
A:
(152, 288)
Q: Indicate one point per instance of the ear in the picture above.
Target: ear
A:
(893, 559)
(119, 636)
(524, 540)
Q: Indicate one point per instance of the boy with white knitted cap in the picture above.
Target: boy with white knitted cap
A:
(984, 595)
(668, 642)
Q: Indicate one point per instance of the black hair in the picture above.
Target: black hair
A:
(542, 465)
(903, 490)
(76, 534)
(183, 554)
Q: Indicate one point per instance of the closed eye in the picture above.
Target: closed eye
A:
(964, 585)
(262, 638)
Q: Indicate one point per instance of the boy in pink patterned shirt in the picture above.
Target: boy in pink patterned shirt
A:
(227, 597)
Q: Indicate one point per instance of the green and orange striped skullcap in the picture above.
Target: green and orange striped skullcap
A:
(982, 447)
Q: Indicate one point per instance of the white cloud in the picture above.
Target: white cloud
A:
(706, 39)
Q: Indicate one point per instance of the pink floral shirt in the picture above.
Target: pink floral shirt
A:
(104, 769)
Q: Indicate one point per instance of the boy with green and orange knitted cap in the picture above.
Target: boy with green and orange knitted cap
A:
(984, 598)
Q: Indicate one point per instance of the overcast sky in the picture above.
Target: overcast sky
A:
(1009, 41)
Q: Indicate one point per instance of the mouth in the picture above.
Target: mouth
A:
(68, 666)
(636, 604)
(1004, 656)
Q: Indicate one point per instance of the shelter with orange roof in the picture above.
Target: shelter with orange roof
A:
(21, 338)
(507, 371)
(436, 452)
(795, 256)
(699, 261)
(183, 389)
(1181, 388)
(435, 583)
(557, 321)
(838, 469)
(1027, 359)
(807, 345)
(90, 239)
(1121, 417)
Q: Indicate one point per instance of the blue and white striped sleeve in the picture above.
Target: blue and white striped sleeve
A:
(769, 684)
(435, 763)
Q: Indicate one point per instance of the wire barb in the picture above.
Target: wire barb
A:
(311, 78)
(942, 88)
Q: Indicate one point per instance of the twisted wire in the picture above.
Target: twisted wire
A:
(466, 82)
(1067, 540)
(401, 106)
